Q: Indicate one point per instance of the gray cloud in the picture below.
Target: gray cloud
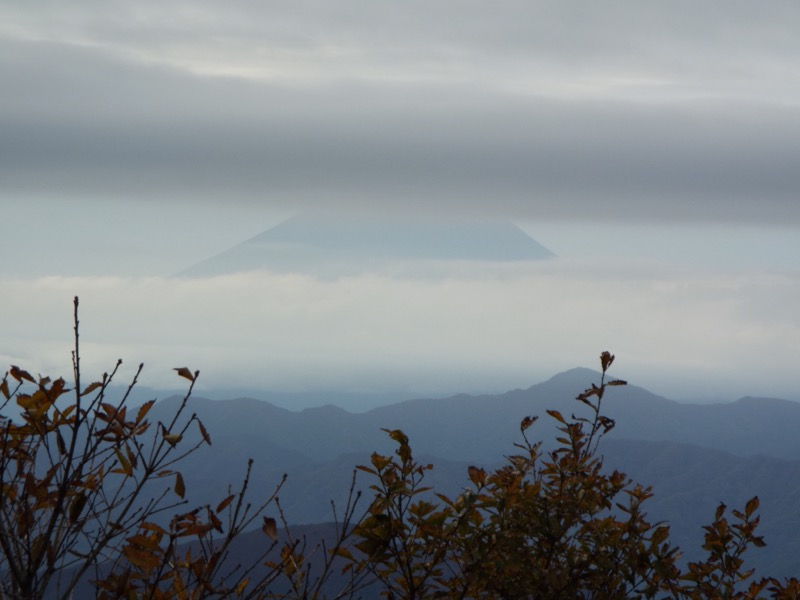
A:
(617, 110)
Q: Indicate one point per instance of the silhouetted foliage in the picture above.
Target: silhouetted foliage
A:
(80, 499)
(76, 501)
(544, 525)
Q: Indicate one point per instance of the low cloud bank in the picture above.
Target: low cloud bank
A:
(447, 328)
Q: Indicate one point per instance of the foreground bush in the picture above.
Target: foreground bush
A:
(545, 525)
(82, 492)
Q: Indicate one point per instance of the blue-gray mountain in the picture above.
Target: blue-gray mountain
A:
(330, 246)
(694, 456)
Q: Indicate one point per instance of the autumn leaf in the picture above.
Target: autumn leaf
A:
(476, 475)
(143, 410)
(270, 527)
(91, 387)
(184, 372)
(751, 506)
(204, 432)
(214, 521)
(606, 359)
(180, 487)
(398, 436)
(76, 507)
(147, 526)
(125, 465)
(224, 504)
(20, 374)
(172, 438)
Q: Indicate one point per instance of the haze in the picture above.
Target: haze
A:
(651, 147)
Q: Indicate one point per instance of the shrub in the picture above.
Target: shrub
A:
(545, 525)
(80, 493)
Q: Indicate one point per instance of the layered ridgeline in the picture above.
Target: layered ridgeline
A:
(328, 245)
(693, 455)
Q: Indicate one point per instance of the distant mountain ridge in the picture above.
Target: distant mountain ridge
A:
(695, 456)
(330, 245)
(479, 428)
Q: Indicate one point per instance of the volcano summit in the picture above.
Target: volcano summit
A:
(332, 246)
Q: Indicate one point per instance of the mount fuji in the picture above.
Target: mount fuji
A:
(330, 245)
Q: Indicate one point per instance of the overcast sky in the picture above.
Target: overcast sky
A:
(652, 146)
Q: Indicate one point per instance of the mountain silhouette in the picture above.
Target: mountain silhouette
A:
(332, 245)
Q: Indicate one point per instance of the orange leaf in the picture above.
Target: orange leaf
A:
(398, 436)
(20, 374)
(198, 529)
(214, 521)
(242, 584)
(140, 558)
(751, 506)
(204, 432)
(148, 526)
(91, 387)
(131, 457)
(110, 410)
(224, 504)
(143, 410)
(26, 401)
(270, 528)
(125, 465)
(172, 438)
(180, 487)
(476, 475)
(184, 372)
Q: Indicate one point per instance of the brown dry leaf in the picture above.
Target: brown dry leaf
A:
(180, 487)
(184, 372)
(270, 527)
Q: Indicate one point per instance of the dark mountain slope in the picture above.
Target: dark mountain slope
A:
(318, 448)
(689, 482)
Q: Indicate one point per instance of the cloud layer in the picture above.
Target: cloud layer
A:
(618, 110)
(450, 328)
